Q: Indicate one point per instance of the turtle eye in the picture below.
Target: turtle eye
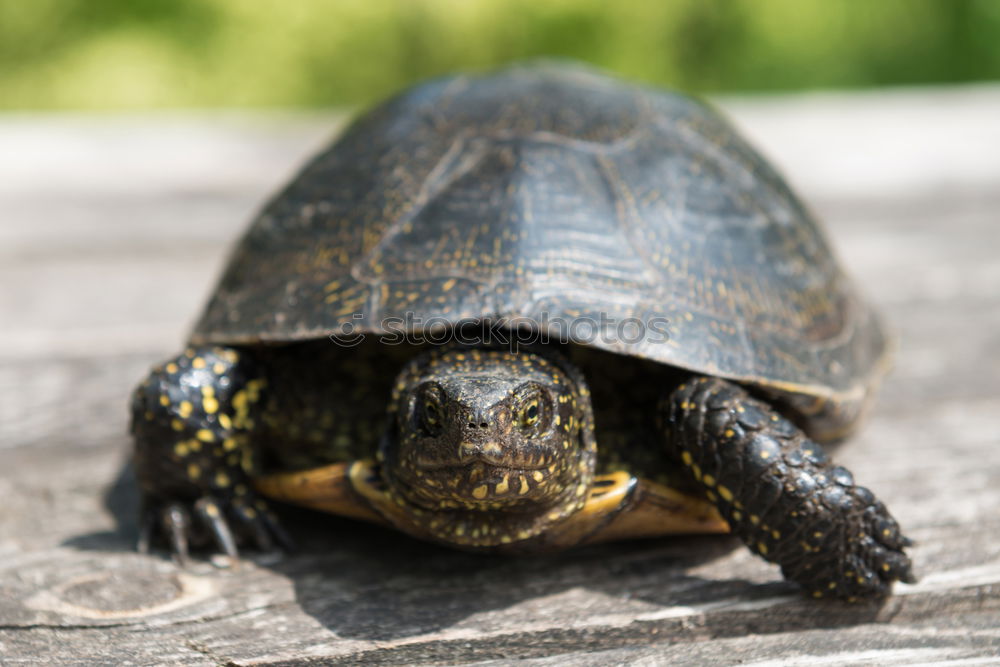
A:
(430, 414)
(531, 412)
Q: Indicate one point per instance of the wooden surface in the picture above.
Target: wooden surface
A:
(111, 232)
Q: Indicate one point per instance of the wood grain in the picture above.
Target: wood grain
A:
(111, 232)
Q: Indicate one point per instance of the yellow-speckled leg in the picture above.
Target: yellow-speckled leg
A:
(192, 419)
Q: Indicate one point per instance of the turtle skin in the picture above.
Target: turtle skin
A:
(210, 422)
(532, 198)
(782, 495)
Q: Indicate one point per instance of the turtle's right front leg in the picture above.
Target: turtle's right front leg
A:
(192, 419)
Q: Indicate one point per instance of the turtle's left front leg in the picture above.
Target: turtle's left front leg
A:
(781, 495)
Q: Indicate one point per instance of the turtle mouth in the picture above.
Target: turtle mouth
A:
(485, 454)
(476, 486)
(482, 461)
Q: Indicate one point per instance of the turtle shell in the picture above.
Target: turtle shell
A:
(553, 195)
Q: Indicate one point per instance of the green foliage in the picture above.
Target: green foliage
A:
(169, 53)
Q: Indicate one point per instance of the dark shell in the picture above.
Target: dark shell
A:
(552, 191)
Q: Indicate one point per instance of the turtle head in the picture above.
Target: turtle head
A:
(489, 441)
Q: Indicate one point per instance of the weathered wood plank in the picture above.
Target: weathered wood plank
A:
(111, 230)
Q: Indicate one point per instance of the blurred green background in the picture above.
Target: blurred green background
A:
(123, 54)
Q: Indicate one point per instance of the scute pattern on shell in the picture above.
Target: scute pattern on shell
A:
(555, 189)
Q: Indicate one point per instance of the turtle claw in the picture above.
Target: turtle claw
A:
(223, 524)
(177, 522)
(252, 522)
(211, 515)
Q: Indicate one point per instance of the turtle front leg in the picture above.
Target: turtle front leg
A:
(192, 419)
(781, 495)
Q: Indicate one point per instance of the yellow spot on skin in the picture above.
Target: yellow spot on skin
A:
(711, 496)
(762, 548)
(164, 400)
(448, 284)
(181, 449)
(817, 594)
(224, 421)
(686, 457)
(885, 567)
(502, 486)
(221, 479)
(197, 362)
(193, 471)
(729, 433)
(205, 435)
(726, 494)
(708, 480)
(860, 580)
(184, 409)
(177, 424)
(172, 368)
(832, 585)
(775, 534)
(538, 475)
(737, 515)
(229, 444)
(754, 519)
(459, 530)
(210, 405)
(211, 510)
(479, 492)
(524, 486)
(696, 470)
(218, 368)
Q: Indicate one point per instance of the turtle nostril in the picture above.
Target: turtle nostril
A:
(472, 425)
(483, 425)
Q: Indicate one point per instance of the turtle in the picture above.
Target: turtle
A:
(520, 311)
